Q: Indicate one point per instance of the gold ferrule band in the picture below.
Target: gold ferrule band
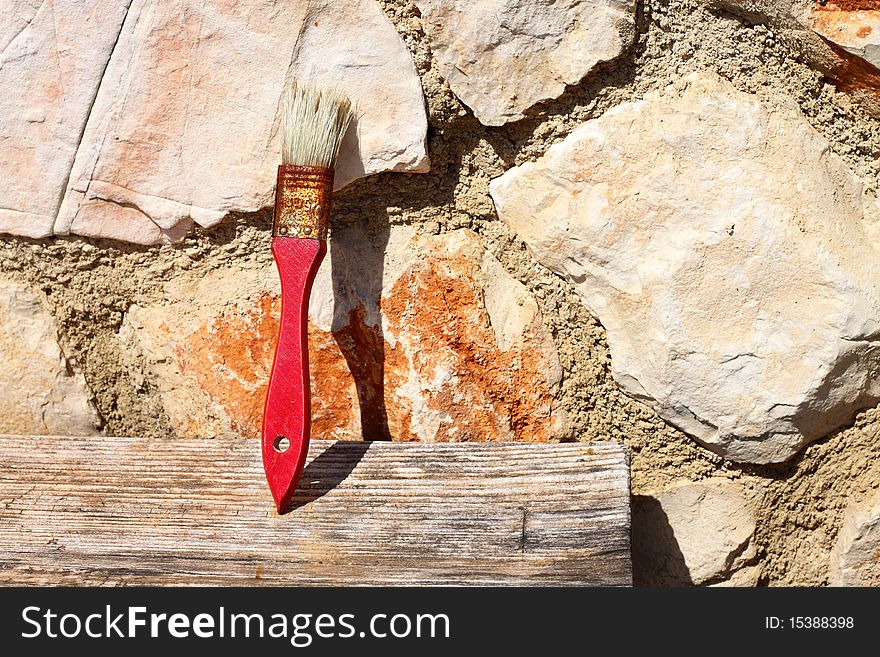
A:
(302, 202)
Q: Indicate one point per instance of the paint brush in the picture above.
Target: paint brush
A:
(313, 123)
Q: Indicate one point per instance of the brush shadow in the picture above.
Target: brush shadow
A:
(357, 257)
(357, 269)
(326, 471)
(656, 556)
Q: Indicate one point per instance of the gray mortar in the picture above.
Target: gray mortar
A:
(90, 285)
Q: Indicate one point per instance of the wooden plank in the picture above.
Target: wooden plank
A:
(134, 511)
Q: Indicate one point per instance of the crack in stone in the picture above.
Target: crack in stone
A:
(133, 205)
(731, 567)
(88, 117)
(27, 25)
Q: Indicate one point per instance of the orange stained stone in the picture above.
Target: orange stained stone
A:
(438, 374)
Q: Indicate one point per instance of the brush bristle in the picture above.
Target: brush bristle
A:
(313, 123)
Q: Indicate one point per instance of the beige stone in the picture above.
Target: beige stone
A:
(730, 255)
(185, 128)
(411, 338)
(855, 560)
(52, 57)
(501, 57)
(41, 393)
(695, 533)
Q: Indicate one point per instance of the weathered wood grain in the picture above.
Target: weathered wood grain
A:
(135, 511)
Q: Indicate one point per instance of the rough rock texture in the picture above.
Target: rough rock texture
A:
(856, 30)
(453, 349)
(458, 345)
(40, 391)
(855, 560)
(52, 57)
(501, 57)
(730, 256)
(695, 533)
(185, 125)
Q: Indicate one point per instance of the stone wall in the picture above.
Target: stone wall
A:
(644, 221)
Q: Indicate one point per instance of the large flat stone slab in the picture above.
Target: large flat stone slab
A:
(730, 255)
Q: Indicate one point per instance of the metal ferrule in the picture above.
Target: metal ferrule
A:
(302, 202)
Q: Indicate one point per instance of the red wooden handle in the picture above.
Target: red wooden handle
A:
(287, 414)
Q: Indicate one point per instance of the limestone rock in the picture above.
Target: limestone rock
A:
(730, 255)
(52, 57)
(411, 338)
(855, 560)
(695, 533)
(40, 391)
(501, 57)
(185, 127)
